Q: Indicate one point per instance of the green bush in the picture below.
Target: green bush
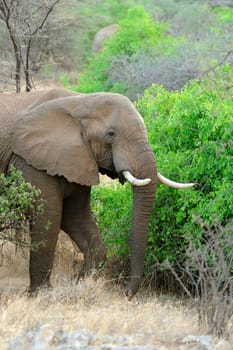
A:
(137, 31)
(224, 14)
(19, 205)
(191, 135)
(112, 206)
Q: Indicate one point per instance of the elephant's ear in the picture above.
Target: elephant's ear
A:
(50, 139)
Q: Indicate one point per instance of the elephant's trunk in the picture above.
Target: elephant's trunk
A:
(143, 200)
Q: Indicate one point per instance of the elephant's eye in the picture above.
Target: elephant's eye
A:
(110, 135)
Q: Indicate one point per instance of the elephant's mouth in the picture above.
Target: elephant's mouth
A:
(113, 174)
(124, 176)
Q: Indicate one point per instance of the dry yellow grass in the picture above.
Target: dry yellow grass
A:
(98, 306)
(94, 304)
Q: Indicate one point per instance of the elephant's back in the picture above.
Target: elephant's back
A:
(10, 106)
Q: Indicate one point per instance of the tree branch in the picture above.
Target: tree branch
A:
(230, 52)
(45, 18)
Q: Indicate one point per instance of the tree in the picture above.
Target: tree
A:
(24, 20)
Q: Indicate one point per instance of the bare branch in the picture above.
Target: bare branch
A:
(45, 18)
(220, 63)
(23, 23)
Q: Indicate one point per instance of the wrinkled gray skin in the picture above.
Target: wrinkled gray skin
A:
(61, 141)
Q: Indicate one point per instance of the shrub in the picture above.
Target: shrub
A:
(134, 58)
(224, 14)
(191, 135)
(112, 206)
(135, 74)
(20, 205)
(197, 46)
(209, 271)
(136, 31)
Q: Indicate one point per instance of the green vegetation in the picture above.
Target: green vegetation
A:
(191, 135)
(167, 43)
(224, 14)
(20, 205)
(127, 41)
(112, 206)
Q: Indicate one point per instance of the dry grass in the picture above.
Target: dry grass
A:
(98, 306)
(94, 304)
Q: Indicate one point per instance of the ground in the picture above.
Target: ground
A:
(97, 305)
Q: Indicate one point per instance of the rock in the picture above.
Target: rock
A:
(81, 338)
(205, 341)
(43, 337)
(47, 338)
(127, 347)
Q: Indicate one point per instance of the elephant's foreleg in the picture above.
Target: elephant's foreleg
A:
(41, 259)
(78, 223)
(45, 228)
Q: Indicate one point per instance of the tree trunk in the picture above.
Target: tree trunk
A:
(18, 72)
(26, 69)
(17, 53)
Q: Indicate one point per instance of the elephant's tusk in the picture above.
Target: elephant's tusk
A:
(173, 184)
(134, 181)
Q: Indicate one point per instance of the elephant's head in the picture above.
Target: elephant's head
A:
(79, 136)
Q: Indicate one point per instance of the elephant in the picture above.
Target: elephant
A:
(61, 141)
(102, 35)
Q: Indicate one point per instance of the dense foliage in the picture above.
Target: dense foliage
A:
(170, 50)
(127, 41)
(19, 206)
(191, 135)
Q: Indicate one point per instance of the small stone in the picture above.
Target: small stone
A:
(58, 338)
(131, 347)
(190, 339)
(205, 342)
(43, 337)
(82, 337)
(107, 346)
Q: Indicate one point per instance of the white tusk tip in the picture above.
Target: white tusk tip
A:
(173, 184)
(134, 181)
